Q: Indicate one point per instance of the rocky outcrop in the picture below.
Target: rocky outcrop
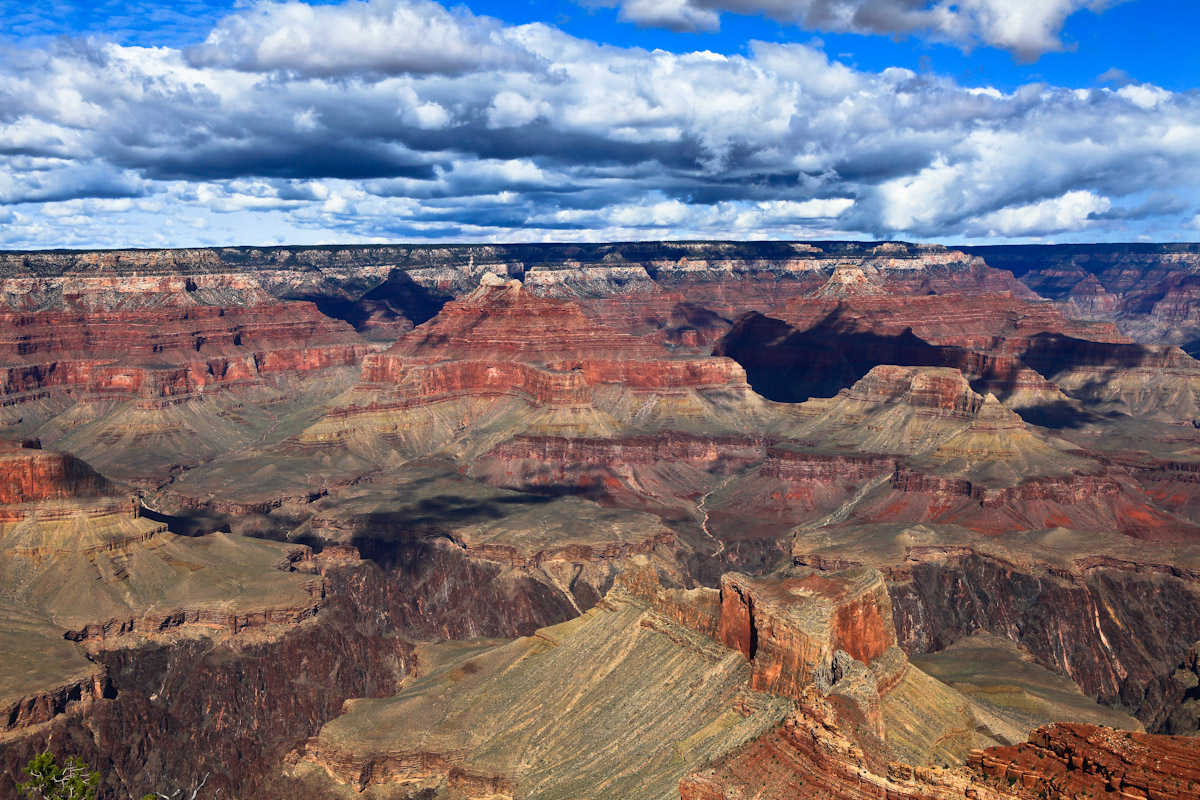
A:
(1069, 760)
(1148, 290)
(1079, 625)
(216, 619)
(791, 628)
(166, 354)
(74, 696)
(468, 718)
(30, 475)
(811, 756)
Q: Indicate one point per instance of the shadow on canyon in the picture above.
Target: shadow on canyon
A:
(398, 298)
(788, 365)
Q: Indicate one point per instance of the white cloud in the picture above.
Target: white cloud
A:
(679, 15)
(1072, 211)
(383, 36)
(1026, 28)
(560, 137)
(511, 110)
(1144, 95)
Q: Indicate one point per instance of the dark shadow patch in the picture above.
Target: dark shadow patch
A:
(791, 366)
(190, 524)
(1058, 416)
(389, 309)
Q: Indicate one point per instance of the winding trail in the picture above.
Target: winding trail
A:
(702, 508)
(840, 514)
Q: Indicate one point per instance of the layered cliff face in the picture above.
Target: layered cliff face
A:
(166, 355)
(1148, 290)
(683, 678)
(1070, 760)
(895, 452)
(142, 373)
(29, 474)
(502, 361)
(791, 628)
(638, 702)
(1027, 354)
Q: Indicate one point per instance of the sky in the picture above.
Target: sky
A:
(223, 122)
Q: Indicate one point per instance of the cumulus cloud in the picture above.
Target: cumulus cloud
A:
(1025, 28)
(1072, 211)
(383, 36)
(550, 136)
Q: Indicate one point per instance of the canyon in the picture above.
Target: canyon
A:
(688, 520)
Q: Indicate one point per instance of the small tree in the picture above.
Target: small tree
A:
(48, 781)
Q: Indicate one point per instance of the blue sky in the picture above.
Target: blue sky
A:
(230, 122)
(1149, 41)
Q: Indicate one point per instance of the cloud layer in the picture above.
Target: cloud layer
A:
(1025, 28)
(401, 119)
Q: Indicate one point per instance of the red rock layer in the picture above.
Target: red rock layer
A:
(167, 352)
(503, 321)
(974, 278)
(799, 466)
(670, 317)
(991, 322)
(75, 695)
(663, 472)
(1082, 502)
(809, 758)
(1069, 760)
(502, 340)
(31, 475)
(791, 628)
(425, 382)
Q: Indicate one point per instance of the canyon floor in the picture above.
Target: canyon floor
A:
(707, 521)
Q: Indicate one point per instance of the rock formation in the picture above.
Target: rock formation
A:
(505, 360)
(772, 519)
(1072, 760)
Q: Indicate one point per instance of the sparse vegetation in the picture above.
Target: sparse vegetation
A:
(73, 780)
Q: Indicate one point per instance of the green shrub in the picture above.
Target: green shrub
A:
(49, 781)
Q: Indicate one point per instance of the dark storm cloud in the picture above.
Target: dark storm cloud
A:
(294, 160)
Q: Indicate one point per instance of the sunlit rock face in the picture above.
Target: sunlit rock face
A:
(893, 503)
